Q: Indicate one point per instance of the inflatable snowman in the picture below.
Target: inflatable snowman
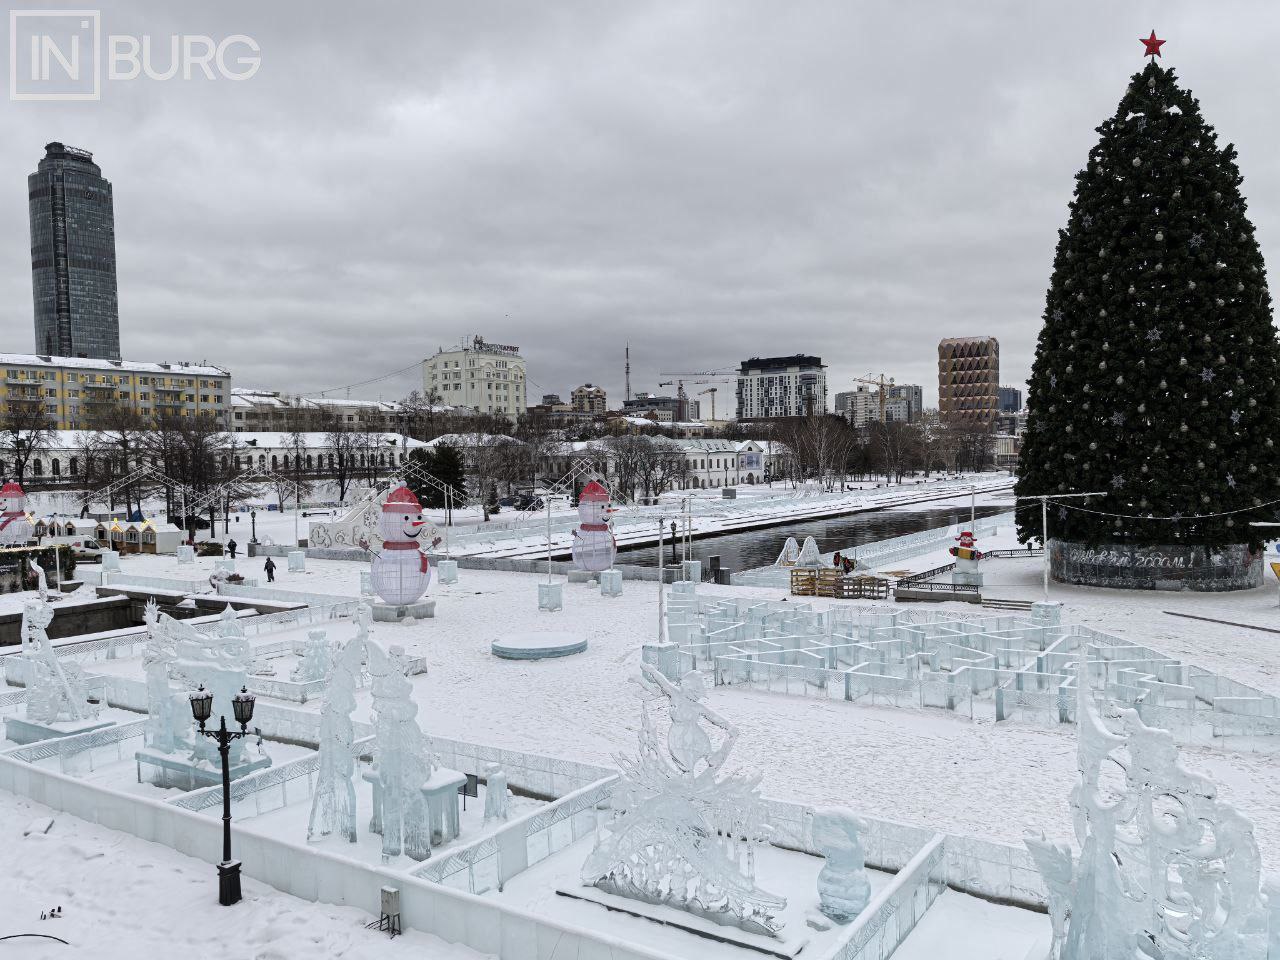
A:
(594, 547)
(14, 525)
(400, 572)
(967, 555)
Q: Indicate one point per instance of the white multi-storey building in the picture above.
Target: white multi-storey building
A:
(781, 387)
(489, 377)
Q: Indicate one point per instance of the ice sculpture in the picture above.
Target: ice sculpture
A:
(333, 805)
(810, 555)
(594, 546)
(495, 793)
(57, 691)
(317, 658)
(400, 571)
(15, 528)
(403, 766)
(219, 661)
(1165, 869)
(685, 836)
(843, 886)
(789, 555)
(166, 716)
(42, 582)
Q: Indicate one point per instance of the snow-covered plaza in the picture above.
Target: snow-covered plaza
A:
(949, 730)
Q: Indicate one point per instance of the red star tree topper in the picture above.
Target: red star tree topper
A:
(1152, 45)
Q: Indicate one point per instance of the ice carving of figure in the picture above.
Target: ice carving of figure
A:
(400, 572)
(686, 740)
(402, 763)
(317, 658)
(495, 793)
(333, 805)
(594, 546)
(57, 691)
(15, 528)
(843, 886)
(684, 835)
(42, 582)
(157, 657)
(1165, 868)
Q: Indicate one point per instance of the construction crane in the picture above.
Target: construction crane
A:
(881, 381)
(697, 378)
(682, 399)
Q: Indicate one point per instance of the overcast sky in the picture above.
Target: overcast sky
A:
(709, 181)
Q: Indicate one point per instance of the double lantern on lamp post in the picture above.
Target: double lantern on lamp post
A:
(201, 708)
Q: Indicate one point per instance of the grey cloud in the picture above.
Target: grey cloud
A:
(707, 180)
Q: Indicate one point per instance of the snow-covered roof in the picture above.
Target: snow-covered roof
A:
(470, 440)
(710, 446)
(311, 439)
(130, 366)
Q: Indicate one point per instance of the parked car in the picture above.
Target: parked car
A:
(88, 550)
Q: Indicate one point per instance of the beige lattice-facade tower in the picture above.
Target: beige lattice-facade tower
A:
(969, 380)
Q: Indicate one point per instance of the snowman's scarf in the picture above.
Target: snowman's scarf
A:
(10, 516)
(397, 545)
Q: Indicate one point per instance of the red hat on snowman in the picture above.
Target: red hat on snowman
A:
(966, 539)
(401, 500)
(594, 491)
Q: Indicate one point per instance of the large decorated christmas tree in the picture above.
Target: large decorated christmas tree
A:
(1155, 377)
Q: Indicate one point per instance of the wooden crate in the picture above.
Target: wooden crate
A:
(863, 588)
(803, 581)
(829, 582)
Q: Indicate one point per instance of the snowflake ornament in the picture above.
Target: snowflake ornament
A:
(1231, 481)
(1195, 241)
(1117, 481)
(1153, 334)
(1235, 417)
(1207, 375)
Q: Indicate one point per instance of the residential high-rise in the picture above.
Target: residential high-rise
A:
(781, 387)
(910, 395)
(860, 406)
(77, 391)
(1010, 399)
(589, 398)
(969, 380)
(486, 376)
(73, 256)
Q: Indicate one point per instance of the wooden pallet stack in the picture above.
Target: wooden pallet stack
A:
(804, 581)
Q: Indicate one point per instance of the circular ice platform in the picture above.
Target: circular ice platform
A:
(538, 646)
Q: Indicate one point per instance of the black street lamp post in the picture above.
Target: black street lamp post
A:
(253, 521)
(201, 708)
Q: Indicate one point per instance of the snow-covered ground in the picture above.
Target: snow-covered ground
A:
(123, 899)
(922, 766)
(927, 767)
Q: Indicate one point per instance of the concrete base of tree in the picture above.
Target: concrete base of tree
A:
(1156, 566)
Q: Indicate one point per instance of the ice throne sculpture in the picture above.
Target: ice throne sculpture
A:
(1165, 869)
(685, 836)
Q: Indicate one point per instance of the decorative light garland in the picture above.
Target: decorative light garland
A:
(1179, 518)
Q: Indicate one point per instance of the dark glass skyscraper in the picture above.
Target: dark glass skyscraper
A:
(73, 256)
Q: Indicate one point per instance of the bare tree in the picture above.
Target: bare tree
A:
(344, 445)
(26, 431)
